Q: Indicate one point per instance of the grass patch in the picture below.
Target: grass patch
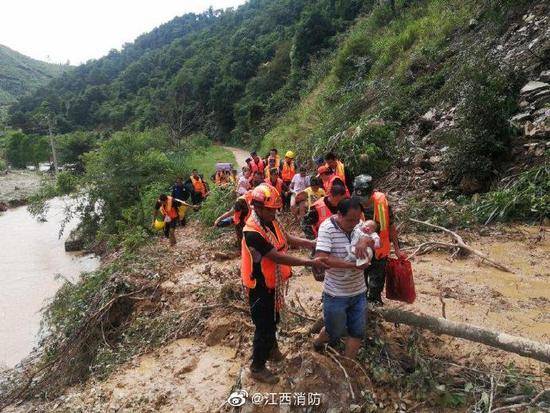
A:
(204, 159)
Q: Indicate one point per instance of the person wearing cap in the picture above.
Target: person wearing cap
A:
(256, 163)
(375, 204)
(265, 270)
(287, 171)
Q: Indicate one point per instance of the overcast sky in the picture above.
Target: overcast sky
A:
(78, 30)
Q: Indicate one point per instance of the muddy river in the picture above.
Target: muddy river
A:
(33, 263)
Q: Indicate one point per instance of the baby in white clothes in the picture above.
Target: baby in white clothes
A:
(365, 229)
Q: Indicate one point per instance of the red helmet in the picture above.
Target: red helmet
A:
(267, 195)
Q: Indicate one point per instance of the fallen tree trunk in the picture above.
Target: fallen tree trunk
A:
(512, 344)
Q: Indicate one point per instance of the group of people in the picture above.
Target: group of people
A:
(348, 226)
(172, 209)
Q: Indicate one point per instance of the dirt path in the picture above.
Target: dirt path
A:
(197, 371)
(240, 155)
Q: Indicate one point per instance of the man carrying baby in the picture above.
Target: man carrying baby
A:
(375, 204)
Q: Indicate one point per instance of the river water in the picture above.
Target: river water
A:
(32, 260)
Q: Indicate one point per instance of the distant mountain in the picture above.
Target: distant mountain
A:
(20, 74)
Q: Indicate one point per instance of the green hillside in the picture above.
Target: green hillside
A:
(425, 88)
(20, 74)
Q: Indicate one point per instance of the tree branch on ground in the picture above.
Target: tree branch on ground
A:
(459, 243)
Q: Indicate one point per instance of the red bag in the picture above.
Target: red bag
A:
(399, 280)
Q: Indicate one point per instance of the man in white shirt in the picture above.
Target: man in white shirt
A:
(344, 301)
(298, 184)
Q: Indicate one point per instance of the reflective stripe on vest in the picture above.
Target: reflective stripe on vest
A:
(323, 212)
(382, 216)
(288, 171)
(269, 267)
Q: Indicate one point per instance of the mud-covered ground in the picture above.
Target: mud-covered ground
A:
(16, 186)
(400, 368)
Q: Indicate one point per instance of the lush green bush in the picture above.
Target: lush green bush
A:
(481, 140)
(118, 173)
(3, 165)
(70, 147)
(22, 150)
(526, 197)
(66, 182)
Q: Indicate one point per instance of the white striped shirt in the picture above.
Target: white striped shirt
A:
(339, 282)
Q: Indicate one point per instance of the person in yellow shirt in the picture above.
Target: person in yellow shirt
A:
(305, 199)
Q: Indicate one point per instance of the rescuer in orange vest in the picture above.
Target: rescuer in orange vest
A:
(237, 215)
(287, 170)
(376, 204)
(256, 163)
(168, 208)
(200, 188)
(265, 270)
(322, 209)
(275, 181)
(337, 167)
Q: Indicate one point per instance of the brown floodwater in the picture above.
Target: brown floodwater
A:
(33, 263)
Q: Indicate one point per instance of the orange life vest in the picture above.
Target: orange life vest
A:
(288, 171)
(278, 185)
(269, 267)
(237, 214)
(199, 185)
(331, 182)
(257, 166)
(323, 212)
(382, 216)
(220, 178)
(168, 209)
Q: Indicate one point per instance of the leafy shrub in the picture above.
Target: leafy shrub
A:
(481, 140)
(3, 165)
(118, 173)
(527, 197)
(219, 201)
(66, 183)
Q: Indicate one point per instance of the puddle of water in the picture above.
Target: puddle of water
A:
(31, 257)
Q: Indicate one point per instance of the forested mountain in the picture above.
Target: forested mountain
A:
(220, 71)
(20, 74)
